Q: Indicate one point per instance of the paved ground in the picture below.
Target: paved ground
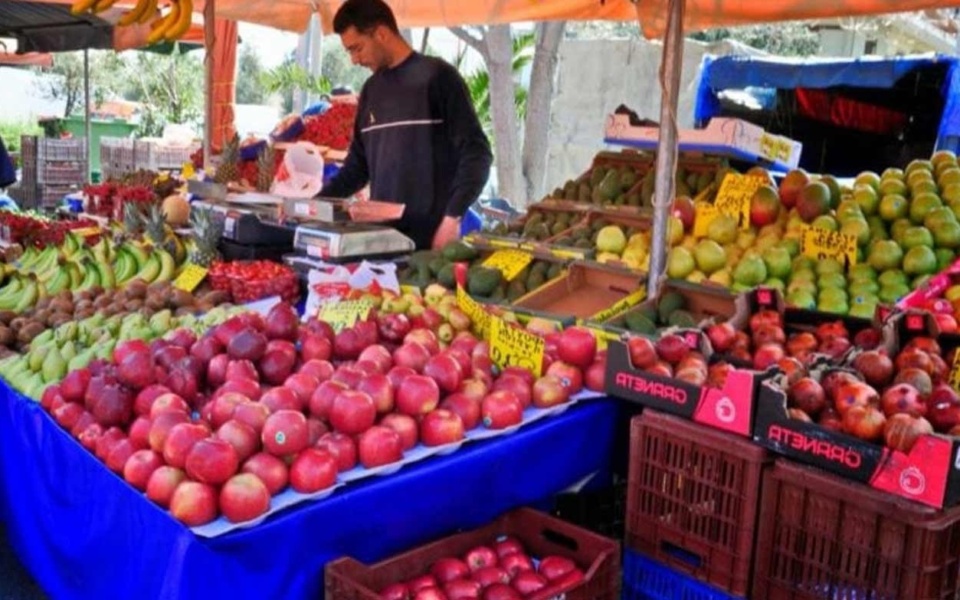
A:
(15, 581)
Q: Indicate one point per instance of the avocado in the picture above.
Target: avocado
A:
(610, 186)
(649, 310)
(482, 281)
(597, 196)
(668, 304)
(584, 193)
(436, 264)
(539, 266)
(515, 290)
(558, 228)
(499, 294)
(421, 257)
(554, 271)
(423, 277)
(681, 318)
(628, 178)
(637, 322)
(446, 277)
(459, 252)
(535, 280)
(597, 175)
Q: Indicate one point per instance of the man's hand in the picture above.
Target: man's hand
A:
(448, 231)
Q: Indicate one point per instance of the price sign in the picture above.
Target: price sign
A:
(515, 347)
(190, 277)
(955, 373)
(633, 299)
(704, 215)
(774, 148)
(476, 312)
(86, 231)
(508, 262)
(820, 244)
(341, 315)
(187, 170)
(735, 195)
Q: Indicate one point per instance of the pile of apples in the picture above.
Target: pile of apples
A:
(767, 344)
(500, 571)
(259, 403)
(882, 399)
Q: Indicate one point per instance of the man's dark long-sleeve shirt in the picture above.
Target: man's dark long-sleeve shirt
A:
(417, 141)
(8, 175)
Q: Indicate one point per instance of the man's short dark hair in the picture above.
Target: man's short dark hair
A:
(365, 15)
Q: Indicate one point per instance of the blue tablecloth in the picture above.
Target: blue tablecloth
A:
(84, 533)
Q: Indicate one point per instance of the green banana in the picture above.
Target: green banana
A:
(29, 297)
(137, 253)
(106, 275)
(91, 277)
(150, 270)
(168, 266)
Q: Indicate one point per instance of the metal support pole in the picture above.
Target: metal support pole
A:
(86, 109)
(209, 38)
(670, 69)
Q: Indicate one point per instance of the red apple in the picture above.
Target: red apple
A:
(244, 497)
(242, 369)
(643, 354)
(313, 470)
(161, 426)
(594, 378)
(441, 427)
(341, 447)
(285, 432)
(570, 376)
(119, 454)
(549, 391)
(577, 346)
(352, 412)
(721, 336)
(272, 471)
(180, 441)
(449, 569)
(501, 410)
(194, 503)
(380, 390)
(276, 366)
(445, 370)
(322, 370)
(396, 375)
(144, 401)
(555, 567)
(417, 395)
(349, 375)
(379, 446)
(140, 432)
(241, 436)
(315, 347)
(162, 483)
(245, 387)
(168, 403)
(212, 461)
(466, 408)
(224, 406)
(73, 388)
(520, 386)
(303, 385)
(411, 355)
(529, 582)
(379, 356)
(281, 398)
(902, 398)
(253, 414)
(322, 398)
(406, 426)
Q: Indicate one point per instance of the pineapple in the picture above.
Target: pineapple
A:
(154, 224)
(228, 170)
(265, 169)
(132, 223)
(207, 229)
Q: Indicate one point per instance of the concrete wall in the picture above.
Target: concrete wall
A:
(596, 76)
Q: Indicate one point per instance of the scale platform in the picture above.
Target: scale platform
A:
(251, 224)
(348, 241)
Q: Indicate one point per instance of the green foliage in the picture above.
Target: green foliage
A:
(781, 39)
(338, 68)
(170, 87)
(11, 130)
(249, 71)
(289, 78)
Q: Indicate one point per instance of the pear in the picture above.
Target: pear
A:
(81, 360)
(54, 366)
(161, 322)
(45, 336)
(36, 357)
(68, 351)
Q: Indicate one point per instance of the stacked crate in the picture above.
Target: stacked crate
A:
(52, 168)
(117, 157)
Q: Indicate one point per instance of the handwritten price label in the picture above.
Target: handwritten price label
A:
(341, 315)
(509, 262)
(735, 195)
(704, 215)
(515, 347)
(820, 244)
(473, 309)
(190, 277)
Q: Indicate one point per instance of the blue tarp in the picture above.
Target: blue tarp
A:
(737, 73)
(84, 533)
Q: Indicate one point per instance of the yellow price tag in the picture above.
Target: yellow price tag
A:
(190, 277)
(410, 289)
(633, 299)
(515, 347)
(703, 216)
(735, 195)
(509, 262)
(341, 315)
(473, 309)
(603, 337)
(774, 148)
(86, 231)
(954, 378)
(187, 170)
(820, 244)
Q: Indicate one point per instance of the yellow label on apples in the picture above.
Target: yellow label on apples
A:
(512, 346)
(190, 277)
(509, 262)
(704, 215)
(478, 315)
(735, 195)
(341, 315)
(819, 244)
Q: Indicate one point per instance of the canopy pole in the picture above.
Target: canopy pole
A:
(209, 15)
(670, 68)
(86, 111)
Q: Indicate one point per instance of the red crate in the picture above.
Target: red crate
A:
(821, 536)
(692, 499)
(541, 535)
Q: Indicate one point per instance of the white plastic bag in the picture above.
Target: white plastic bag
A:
(335, 283)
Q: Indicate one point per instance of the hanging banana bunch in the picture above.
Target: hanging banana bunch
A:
(94, 6)
(172, 26)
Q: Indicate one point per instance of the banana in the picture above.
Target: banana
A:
(76, 275)
(148, 13)
(182, 24)
(91, 277)
(103, 5)
(59, 283)
(28, 298)
(163, 24)
(48, 261)
(123, 267)
(138, 254)
(12, 290)
(167, 266)
(106, 275)
(27, 258)
(71, 243)
(81, 6)
(150, 271)
(133, 15)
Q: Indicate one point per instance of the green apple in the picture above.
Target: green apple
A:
(921, 205)
(829, 265)
(801, 299)
(947, 235)
(832, 280)
(916, 236)
(750, 271)
(862, 272)
(867, 199)
(898, 228)
(893, 207)
(892, 277)
(710, 256)
(777, 261)
(945, 258)
(858, 228)
(825, 222)
(920, 260)
(885, 254)
(680, 263)
(849, 209)
(868, 178)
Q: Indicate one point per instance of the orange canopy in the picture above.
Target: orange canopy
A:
(32, 59)
(293, 15)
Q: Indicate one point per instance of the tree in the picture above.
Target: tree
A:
(170, 88)
(65, 82)
(337, 67)
(782, 39)
(520, 169)
(249, 71)
(288, 78)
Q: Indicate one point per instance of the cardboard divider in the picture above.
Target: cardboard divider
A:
(586, 291)
(514, 240)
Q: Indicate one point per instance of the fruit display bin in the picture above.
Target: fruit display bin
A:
(729, 408)
(513, 239)
(693, 499)
(540, 534)
(928, 473)
(646, 579)
(823, 537)
(586, 291)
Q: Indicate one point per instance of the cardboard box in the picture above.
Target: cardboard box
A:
(728, 409)
(514, 240)
(587, 291)
(707, 304)
(929, 473)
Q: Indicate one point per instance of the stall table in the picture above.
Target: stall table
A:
(85, 533)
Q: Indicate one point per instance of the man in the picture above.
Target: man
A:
(8, 175)
(417, 139)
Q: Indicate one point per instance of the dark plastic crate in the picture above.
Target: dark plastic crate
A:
(601, 511)
(693, 499)
(646, 579)
(821, 536)
(541, 535)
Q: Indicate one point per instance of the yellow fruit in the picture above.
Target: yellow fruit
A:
(745, 239)
(176, 210)
(674, 231)
(952, 294)
(611, 239)
(605, 257)
(721, 277)
(696, 277)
